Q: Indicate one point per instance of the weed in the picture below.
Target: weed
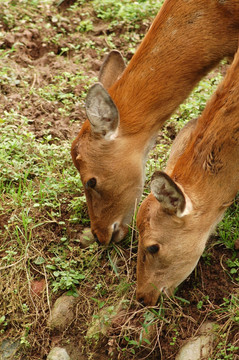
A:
(62, 87)
(66, 275)
(225, 351)
(231, 306)
(10, 257)
(202, 302)
(85, 26)
(207, 257)
(234, 266)
(3, 324)
(228, 229)
(24, 339)
(195, 103)
(174, 338)
(125, 12)
(79, 210)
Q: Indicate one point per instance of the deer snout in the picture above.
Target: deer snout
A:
(119, 232)
(148, 299)
(115, 233)
(96, 239)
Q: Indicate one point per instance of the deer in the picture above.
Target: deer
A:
(189, 198)
(128, 106)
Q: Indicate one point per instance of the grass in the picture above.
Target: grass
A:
(228, 230)
(126, 12)
(42, 204)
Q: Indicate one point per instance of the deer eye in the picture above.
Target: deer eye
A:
(91, 183)
(153, 249)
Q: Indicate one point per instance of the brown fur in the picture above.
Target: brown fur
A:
(185, 41)
(207, 171)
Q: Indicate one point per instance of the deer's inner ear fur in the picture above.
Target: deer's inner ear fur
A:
(168, 193)
(100, 108)
(101, 111)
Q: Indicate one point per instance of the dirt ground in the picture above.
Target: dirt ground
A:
(37, 58)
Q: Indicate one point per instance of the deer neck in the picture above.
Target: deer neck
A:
(208, 170)
(185, 41)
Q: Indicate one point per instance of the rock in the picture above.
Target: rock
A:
(86, 238)
(37, 286)
(64, 4)
(28, 34)
(58, 353)
(103, 320)
(9, 348)
(236, 244)
(9, 40)
(62, 313)
(96, 65)
(199, 347)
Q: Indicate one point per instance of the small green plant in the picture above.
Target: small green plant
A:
(157, 162)
(79, 210)
(25, 308)
(224, 350)
(231, 306)
(9, 257)
(132, 344)
(3, 324)
(62, 88)
(234, 267)
(228, 229)
(207, 257)
(24, 339)
(195, 103)
(202, 302)
(85, 26)
(174, 338)
(66, 275)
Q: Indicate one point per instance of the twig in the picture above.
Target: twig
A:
(47, 290)
(11, 265)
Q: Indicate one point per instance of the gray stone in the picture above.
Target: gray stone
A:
(103, 320)
(9, 348)
(86, 238)
(199, 347)
(58, 353)
(62, 312)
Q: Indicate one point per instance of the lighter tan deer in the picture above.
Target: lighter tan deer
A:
(127, 108)
(189, 198)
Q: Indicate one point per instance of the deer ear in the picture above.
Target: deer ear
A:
(168, 193)
(102, 112)
(111, 69)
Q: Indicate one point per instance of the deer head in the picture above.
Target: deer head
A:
(102, 156)
(168, 248)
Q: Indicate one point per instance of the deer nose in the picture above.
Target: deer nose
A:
(96, 239)
(114, 236)
(115, 232)
(119, 231)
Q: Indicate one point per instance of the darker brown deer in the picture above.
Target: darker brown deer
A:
(190, 197)
(129, 105)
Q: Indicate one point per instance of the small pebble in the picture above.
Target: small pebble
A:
(62, 313)
(58, 353)
(236, 245)
(37, 286)
(86, 238)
